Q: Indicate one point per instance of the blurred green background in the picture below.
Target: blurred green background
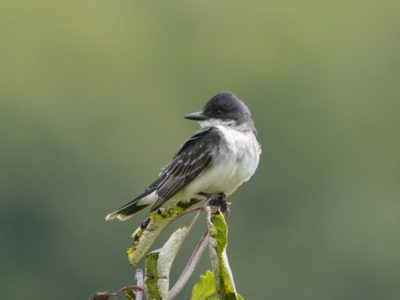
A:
(92, 95)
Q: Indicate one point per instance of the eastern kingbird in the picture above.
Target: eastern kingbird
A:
(217, 159)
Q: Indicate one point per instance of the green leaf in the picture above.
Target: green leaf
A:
(155, 223)
(152, 276)
(204, 288)
(218, 241)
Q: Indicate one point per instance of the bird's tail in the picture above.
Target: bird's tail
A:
(128, 210)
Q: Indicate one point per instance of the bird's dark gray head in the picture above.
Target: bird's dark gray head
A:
(224, 108)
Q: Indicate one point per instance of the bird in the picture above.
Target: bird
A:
(215, 160)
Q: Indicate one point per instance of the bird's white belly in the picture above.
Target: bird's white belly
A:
(237, 162)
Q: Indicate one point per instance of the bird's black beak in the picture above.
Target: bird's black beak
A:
(196, 116)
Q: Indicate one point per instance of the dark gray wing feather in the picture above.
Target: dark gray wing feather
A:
(193, 157)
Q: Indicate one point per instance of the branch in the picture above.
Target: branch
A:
(190, 266)
(106, 295)
(139, 282)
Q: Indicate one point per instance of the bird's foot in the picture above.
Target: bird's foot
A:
(219, 200)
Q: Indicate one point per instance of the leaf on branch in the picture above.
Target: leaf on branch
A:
(158, 265)
(155, 223)
(204, 288)
(218, 241)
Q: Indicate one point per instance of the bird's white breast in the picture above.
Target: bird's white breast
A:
(236, 163)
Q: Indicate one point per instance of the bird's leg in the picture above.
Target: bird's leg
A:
(218, 199)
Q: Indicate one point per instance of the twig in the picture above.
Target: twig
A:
(195, 219)
(139, 282)
(196, 255)
(192, 210)
(99, 295)
(190, 266)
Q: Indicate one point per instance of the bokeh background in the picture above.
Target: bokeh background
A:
(92, 95)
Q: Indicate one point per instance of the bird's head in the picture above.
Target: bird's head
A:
(224, 108)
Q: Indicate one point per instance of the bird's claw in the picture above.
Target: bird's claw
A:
(219, 200)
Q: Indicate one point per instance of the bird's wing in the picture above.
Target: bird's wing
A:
(193, 157)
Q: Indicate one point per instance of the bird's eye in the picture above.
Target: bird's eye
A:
(218, 112)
